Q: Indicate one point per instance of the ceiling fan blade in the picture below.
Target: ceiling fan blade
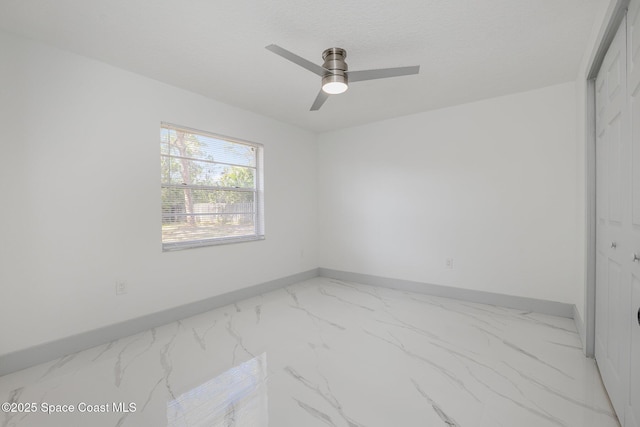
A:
(322, 96)
(382, 73)
(314, 68)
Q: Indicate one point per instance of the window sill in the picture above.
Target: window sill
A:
(178, 246)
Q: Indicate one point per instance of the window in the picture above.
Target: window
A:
(212, 191)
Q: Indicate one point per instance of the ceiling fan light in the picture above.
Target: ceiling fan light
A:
(334, 88)
(334, 84)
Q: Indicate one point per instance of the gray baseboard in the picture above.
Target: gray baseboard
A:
(581, 328)
(522, 303)
(41, 353)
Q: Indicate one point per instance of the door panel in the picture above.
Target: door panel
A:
(612, 187)
(602, 302)
(632, 413)
(614, 324)
(635, 156)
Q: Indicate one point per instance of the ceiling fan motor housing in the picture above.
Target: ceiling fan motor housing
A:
(334, 62)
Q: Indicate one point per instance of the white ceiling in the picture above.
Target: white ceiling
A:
(468, 49)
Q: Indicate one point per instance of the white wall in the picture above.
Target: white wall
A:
(490, 184)
(81, 198)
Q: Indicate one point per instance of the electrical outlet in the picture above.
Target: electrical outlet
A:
(121, 287)
(449, 263)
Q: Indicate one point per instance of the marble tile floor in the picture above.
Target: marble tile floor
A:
(325, 353)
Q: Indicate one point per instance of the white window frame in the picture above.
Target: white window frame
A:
(258, 192)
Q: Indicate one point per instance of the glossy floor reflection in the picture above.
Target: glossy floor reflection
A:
(326, 353)
(236, 397)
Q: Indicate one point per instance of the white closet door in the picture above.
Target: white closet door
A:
(613, 221)
(632, 413)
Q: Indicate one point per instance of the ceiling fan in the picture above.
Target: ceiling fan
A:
(335, 74)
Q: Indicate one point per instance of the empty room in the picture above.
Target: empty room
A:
(304, 214)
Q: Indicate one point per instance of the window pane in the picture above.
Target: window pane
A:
(189, 197)
(200, 227)
(226, 152)
(190, 214)
(167, 135)
(184, 171)
(185, 144)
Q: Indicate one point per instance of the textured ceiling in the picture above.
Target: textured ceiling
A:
(468, 49)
